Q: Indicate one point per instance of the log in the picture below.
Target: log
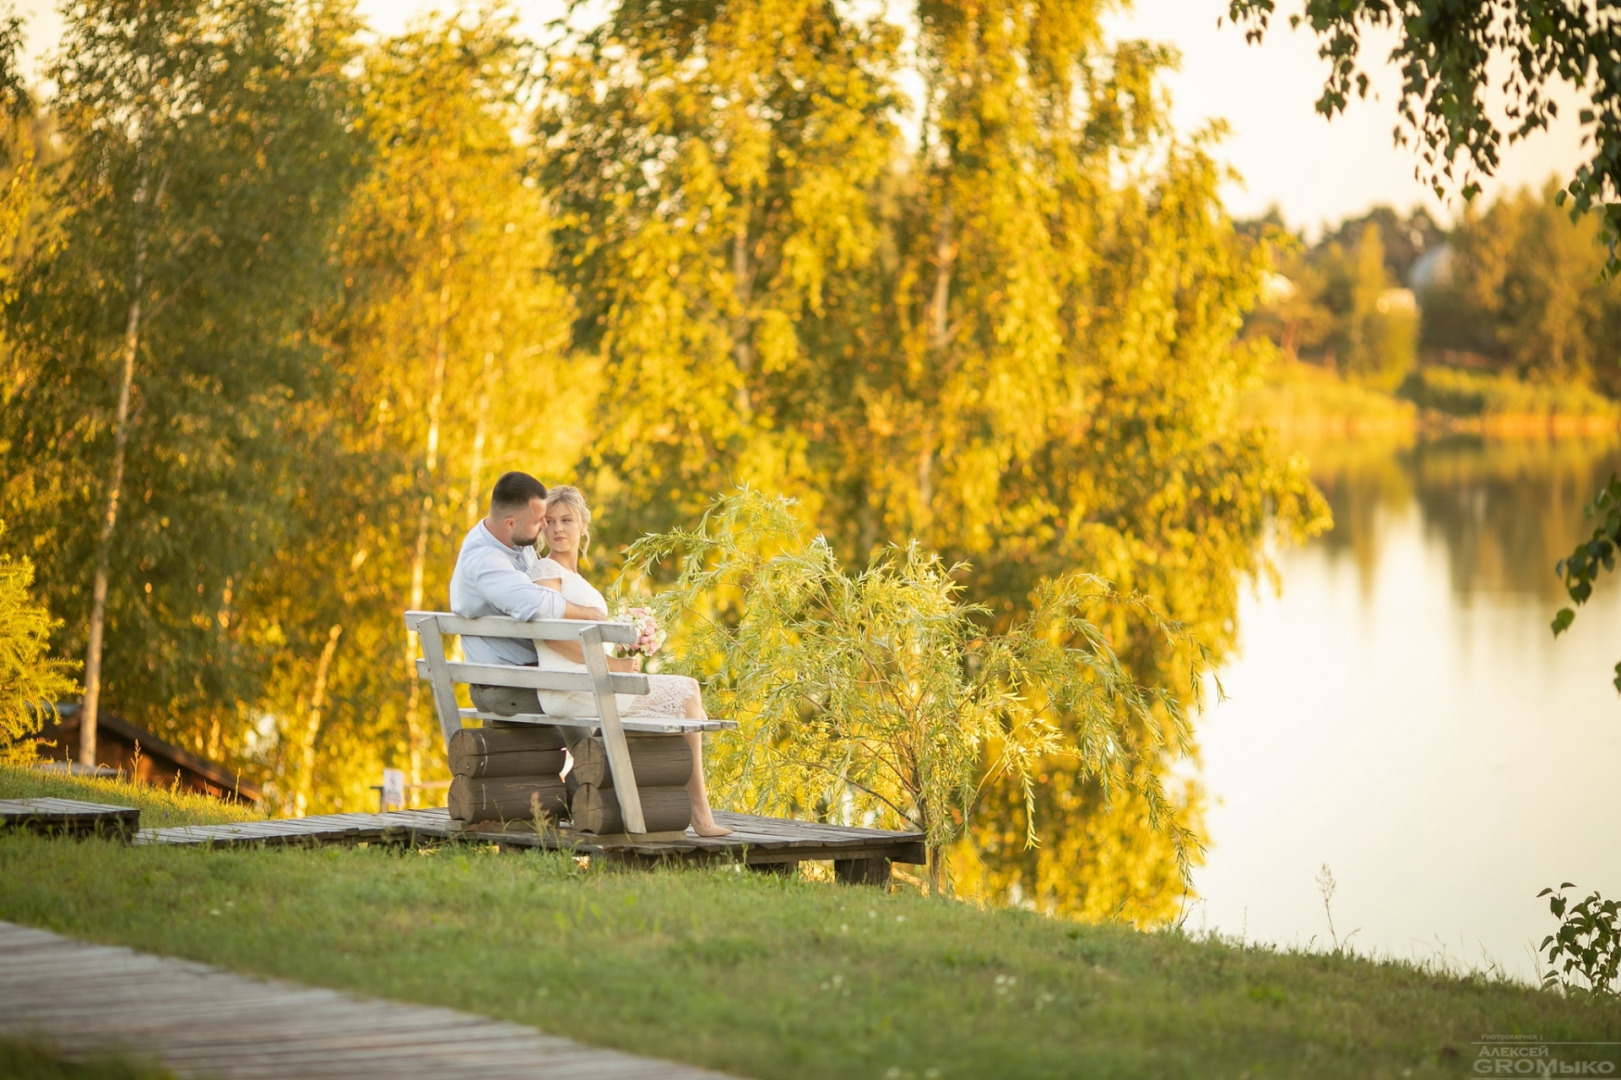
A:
(657, 761)
(550, 732)
(596, 810)
(506, 799)
(479, 753)
(861, 871)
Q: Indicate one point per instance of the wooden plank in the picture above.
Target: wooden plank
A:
(444, 692)
(535, 630)
(650, 725)
(613, 734)
(202, 1021)
(533, 678)
(69, 816)
(756, 839)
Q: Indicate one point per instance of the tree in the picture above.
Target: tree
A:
(450, 354)
(714, 167)
(877, 696)
(160, 331)
(1023, 358)
(1524, 290)
(1447, 54)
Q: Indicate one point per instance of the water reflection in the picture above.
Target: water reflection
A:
(1506, 510)
(1402, 712)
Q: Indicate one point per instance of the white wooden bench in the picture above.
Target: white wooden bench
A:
(443, 674)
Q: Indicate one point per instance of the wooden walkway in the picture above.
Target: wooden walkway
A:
(755, 841)
(199, 1021)
(68, 817)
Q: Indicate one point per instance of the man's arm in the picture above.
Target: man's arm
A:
(591, 614)
(514, 595)
(571, 649)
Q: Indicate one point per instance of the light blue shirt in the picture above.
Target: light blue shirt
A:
(493, 579)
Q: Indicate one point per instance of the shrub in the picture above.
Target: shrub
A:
(30, 682)
(1587, 943)
(879, 696)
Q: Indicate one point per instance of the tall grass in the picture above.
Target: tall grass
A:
(159, 808)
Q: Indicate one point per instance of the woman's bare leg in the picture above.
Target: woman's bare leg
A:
(703, 820)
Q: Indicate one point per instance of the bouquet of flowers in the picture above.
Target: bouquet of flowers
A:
(650, 637)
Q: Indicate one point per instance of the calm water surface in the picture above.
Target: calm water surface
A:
(1402, 713)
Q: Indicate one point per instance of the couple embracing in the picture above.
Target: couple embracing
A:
(499, 573)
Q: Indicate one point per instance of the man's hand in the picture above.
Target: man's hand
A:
(591, 614)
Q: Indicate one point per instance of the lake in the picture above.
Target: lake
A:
(1402, 713)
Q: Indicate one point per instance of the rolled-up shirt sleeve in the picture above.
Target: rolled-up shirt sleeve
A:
(505, 588)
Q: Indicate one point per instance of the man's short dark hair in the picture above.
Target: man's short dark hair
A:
(513, 492)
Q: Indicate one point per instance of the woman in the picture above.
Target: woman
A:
(566, 532)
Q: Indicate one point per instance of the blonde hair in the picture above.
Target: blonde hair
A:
(570, 497)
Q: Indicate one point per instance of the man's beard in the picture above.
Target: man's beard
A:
(518, 541)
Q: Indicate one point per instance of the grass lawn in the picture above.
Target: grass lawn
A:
(23, 1061)
(772, 977)
(160, 809)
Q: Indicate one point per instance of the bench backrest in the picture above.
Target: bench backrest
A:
(443, 674)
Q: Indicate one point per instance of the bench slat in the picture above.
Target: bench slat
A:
(539, 630)
(654, 725)
(532, 678)
(433, 662)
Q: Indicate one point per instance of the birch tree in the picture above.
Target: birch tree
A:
(452, 343)
(161, 329)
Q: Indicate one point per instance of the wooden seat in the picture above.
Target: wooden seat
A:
(443, 674)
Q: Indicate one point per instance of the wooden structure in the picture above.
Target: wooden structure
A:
(200, 1021)
(609, 807)
(69, 817)
(859, 856)
(157, 762)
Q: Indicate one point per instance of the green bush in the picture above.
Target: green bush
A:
(1478, 394)
(30, 682)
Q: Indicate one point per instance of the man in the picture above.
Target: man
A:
(491, 578)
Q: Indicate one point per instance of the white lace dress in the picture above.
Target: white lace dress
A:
(667, 694)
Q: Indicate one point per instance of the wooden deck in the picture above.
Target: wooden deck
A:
(69, 817)
(198, 1021)
(755, 841)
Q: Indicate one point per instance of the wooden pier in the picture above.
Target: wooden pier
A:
(858, 855)
(69, 817)
(86, 1001)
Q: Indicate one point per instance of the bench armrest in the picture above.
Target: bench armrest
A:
(499, 626)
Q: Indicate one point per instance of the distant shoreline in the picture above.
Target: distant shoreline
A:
(1306, 402)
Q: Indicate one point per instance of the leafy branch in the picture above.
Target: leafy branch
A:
(1587, 943)
(1582, 566)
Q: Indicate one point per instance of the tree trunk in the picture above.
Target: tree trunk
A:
(743, 292)
(945, 255)
(90, 712)
(430, 465)
(475, 485)
(312, 728)
(939, 311)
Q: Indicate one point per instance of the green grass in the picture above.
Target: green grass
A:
(160, 809)
(758, 975)
(772, 977)
(32, 1061)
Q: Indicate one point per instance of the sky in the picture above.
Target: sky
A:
(1315, 170)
